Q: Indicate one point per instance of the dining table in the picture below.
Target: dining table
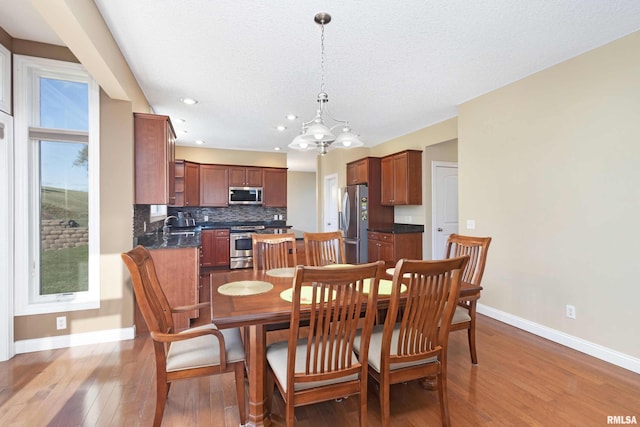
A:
(253, 300)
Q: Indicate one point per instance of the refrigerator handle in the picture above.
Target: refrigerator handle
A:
(346, 211)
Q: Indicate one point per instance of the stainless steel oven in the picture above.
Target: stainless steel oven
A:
(241, 250)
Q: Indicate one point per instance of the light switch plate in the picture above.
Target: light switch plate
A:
(471, 224)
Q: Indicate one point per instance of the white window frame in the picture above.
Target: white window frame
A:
(5, 80)
(28, 301)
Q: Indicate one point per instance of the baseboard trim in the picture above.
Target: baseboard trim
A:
(74, 340)
(600, 352)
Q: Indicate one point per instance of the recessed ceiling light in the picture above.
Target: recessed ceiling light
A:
(291, 117)
(277, 148)
(281, 128)
(188, 101)
(199, 141)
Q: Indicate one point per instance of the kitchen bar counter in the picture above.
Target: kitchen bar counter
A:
(159, 241)
(399, 229)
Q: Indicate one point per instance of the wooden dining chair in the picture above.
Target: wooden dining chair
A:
(322, 364)
(194, 352)
(324, 248)
(411, 344)
(464, 317)
(274, 251)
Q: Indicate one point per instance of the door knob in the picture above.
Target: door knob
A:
(439, 229)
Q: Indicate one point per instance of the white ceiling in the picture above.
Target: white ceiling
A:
(392, 67)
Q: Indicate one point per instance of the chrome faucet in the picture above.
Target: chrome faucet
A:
(165, 227)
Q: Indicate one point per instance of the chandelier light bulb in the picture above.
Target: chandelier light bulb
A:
(303, 145)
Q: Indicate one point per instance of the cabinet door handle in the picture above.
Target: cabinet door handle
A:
(439, 229)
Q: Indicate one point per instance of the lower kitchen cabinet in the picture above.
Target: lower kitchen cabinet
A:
(391, 247)
(215, 248)
(179, 273)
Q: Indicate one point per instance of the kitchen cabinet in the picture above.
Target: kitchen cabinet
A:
(401, 178)
(358, 171)
(274, 189)
(214, 248)
(245, 176)
(154, 159)
(187, 183)
(391, 247)
(214, 185)
(178, 271)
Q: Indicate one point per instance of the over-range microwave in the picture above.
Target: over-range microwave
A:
(245, 195)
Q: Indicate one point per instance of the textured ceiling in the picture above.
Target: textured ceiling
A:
(392, 67)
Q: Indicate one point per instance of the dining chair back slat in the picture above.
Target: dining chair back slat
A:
(324, 248)
(274, 251)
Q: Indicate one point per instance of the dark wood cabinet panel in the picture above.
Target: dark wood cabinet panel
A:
(191, 184)
(154, 159)
(274, 188)
(401, 177)
(240, 176)
(390, 247)
(178, 273)
(214, 249)
(358, 172)
(214, 185)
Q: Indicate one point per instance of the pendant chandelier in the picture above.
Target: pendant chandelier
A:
(315, 133)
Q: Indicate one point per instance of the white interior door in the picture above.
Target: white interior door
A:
(444, 205)
(6, 243)
(330, 216)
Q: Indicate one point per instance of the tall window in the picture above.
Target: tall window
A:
(57, 187)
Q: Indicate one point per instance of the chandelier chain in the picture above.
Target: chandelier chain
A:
(322, 58)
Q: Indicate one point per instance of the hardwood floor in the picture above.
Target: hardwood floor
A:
(521, 380)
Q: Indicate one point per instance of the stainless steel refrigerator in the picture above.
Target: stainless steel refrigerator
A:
(354, 222)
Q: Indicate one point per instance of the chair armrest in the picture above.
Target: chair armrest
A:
(183, 308)
(169, 338)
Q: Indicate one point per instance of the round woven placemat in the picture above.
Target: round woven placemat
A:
(245, 287)
(384, 287)
(281, 272)
(306, 293)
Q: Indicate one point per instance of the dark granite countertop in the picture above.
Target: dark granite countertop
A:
(210, 225)
(175, 241)
(400, 229)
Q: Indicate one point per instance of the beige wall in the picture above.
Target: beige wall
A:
(232, 157)
(301, 201)
(549, 169)
(116, 172)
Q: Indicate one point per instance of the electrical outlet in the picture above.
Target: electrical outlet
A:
(471, 224)
(206, 217)
(571, 311)
(61, 322)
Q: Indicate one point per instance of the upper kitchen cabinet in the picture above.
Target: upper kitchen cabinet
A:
(358, 171)
(214, 185)
(274, 193)
(155, 142)
(187, 183)
(401, 178)
(240, 176)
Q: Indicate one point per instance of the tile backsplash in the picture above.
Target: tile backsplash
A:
(238, 213)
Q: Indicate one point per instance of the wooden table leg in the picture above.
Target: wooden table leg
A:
(257, 377)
